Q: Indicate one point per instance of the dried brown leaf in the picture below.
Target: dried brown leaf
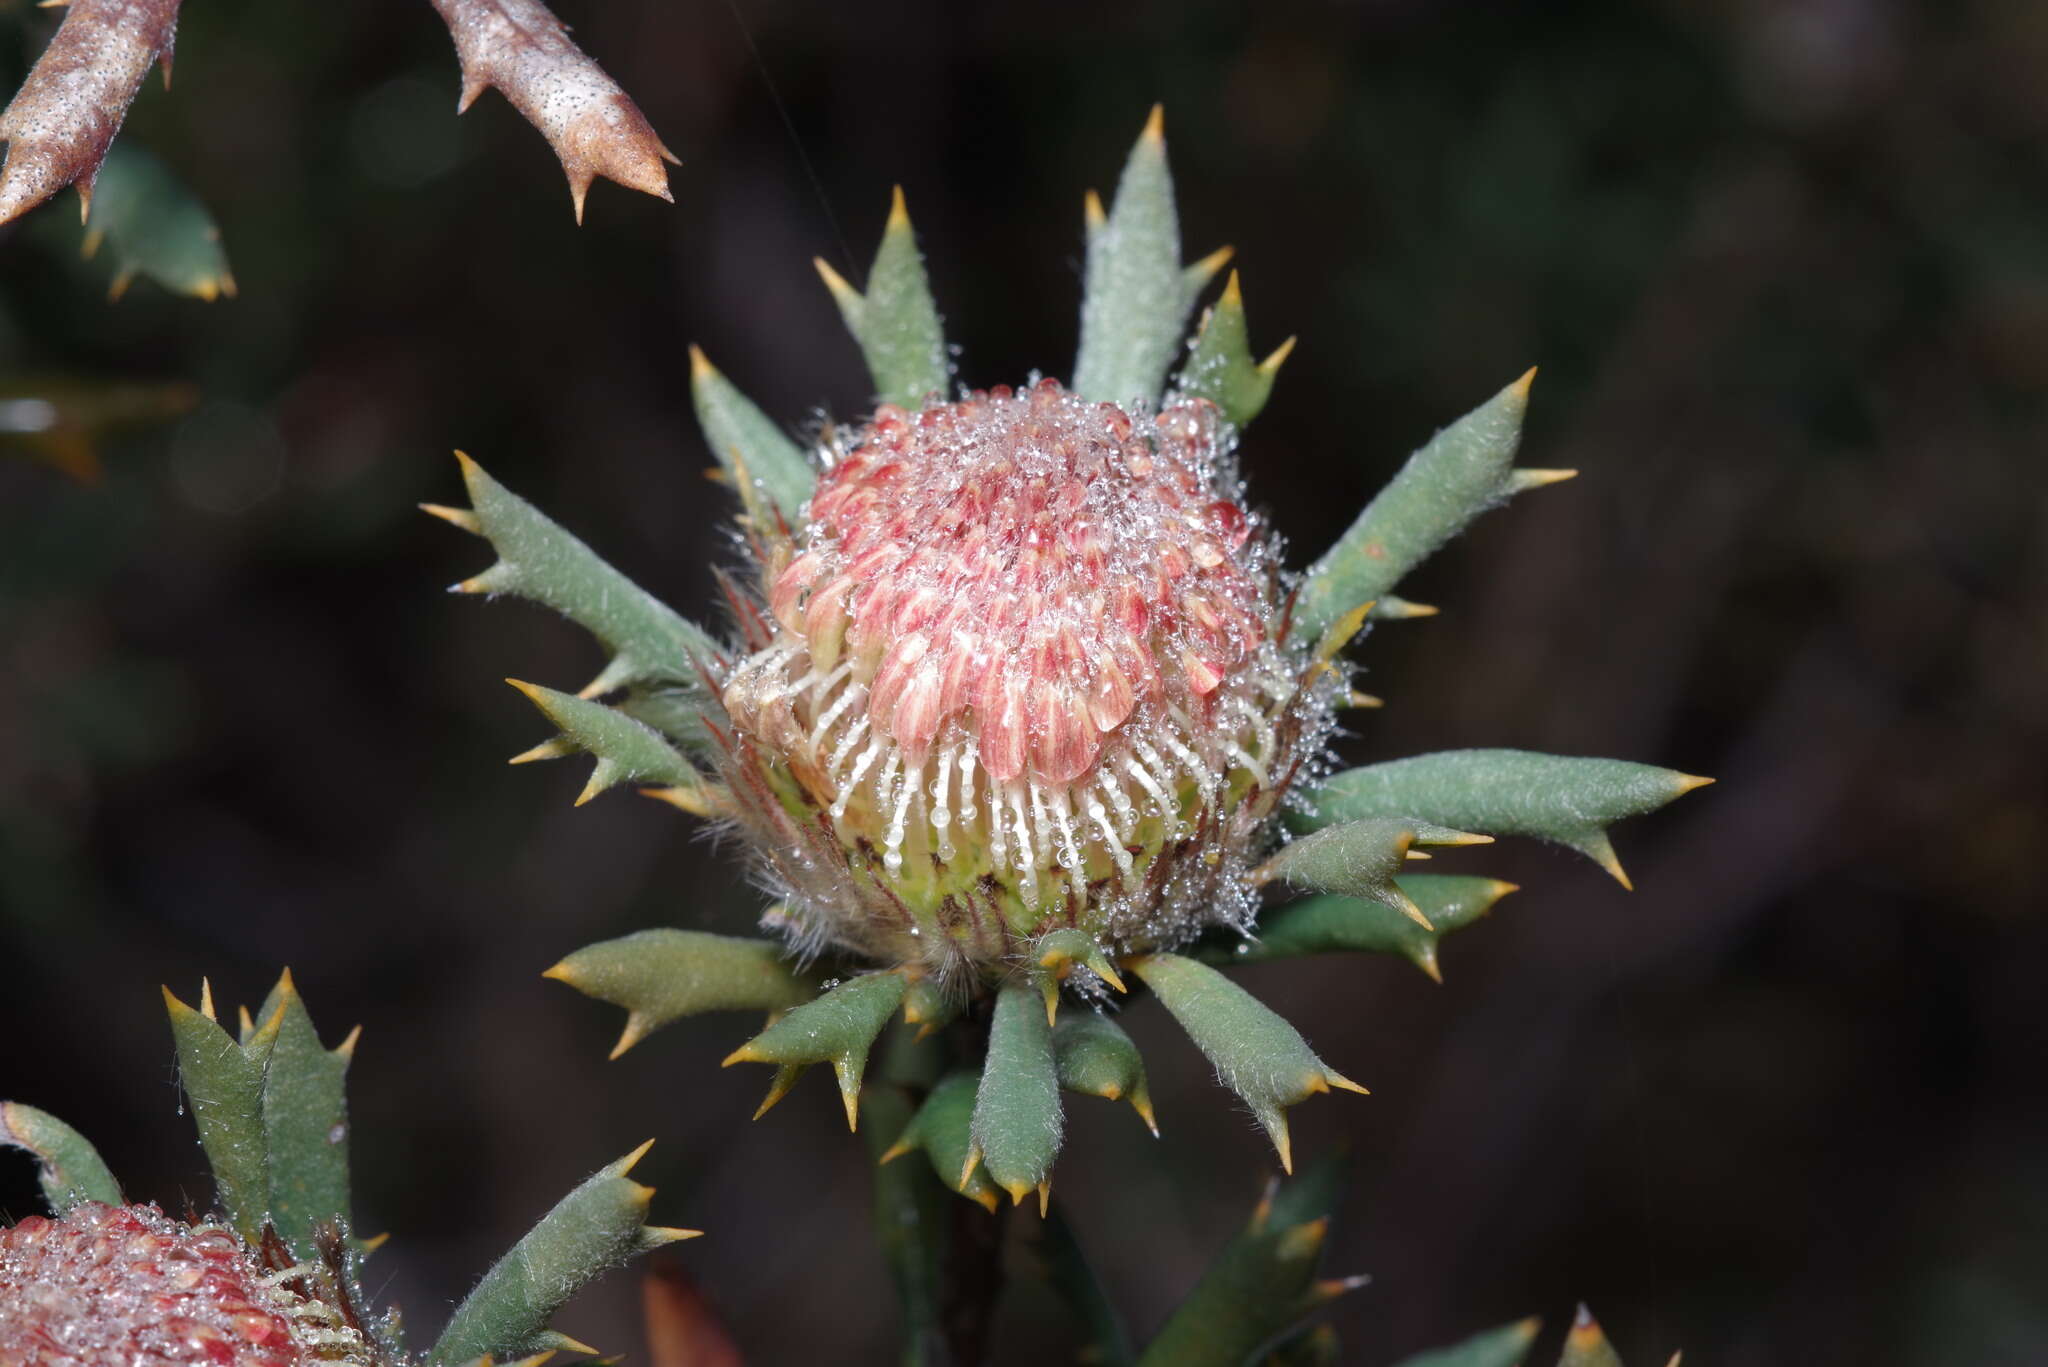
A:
(59, 125)
(522, 49)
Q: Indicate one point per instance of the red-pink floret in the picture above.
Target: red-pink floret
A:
(126, 1286)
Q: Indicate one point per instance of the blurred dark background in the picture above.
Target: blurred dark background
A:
(1784, 264)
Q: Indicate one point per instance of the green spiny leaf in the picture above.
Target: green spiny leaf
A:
(677, 710)
(69, 1167)
(1221, 369)
(305, 1123)
(663, 975)
(942, 1128)
(1464, 470)
(1586, 1345)
(1329, 924)
(1016, 1127)
(1055, 955)
(896, 322)
(930, 1007)
(1263, 1281)
(1502, 1347)
(1093, 1056)
(1256, 1054)
(837, 1028)
(1067, 1268)
(1138, 295)
(753, 451)
(627, 751)
(537, 559)
(1360, 859)
(224, 1080)
(1565, 799)
(595, 1227)
(155, 226)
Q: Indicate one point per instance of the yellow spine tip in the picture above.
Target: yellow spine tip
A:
(1425, 959)
(1688, 782)
(744, 1054)
(967, 1168)
(1271, 365)
(987, 1199)
(1091, 211)
(1233, 295)
(1044, 1198)
(663, 1234)
(454, 517)
(1617, 872)
(470, 469)
(1520, 388)
(701, 368)
(1155, 124)
(843, 294)
(1418, 854)
(347, 1048)
(625, 1165)
(206, 1000)
(561, 973)
(1109, 975)
(1341, 1081)
(899, 213)
(1363, 700)
(896, 1151)
(852, 1099)
(1414, 913)
(1142, 1104)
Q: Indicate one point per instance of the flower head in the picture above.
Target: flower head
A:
(1020, 667)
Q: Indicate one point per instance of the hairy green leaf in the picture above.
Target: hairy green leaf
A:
(537, 559)
(1017, 1118)
(943, 1128)
(1360, 859)
(663, 975)
(896, 322)
(305, 1122)
(1504, 792)
(1220, 368)
(69, 1168)
(1331, 924)
(224, 1080)
(1093, 1056)
(1256, 1054)
(627, 751)
(753, 451)
(837, 1028)
(592, 1229)
(1464, 470)
(1137, 294)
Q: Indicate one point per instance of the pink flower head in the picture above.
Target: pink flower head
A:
(1025, 643)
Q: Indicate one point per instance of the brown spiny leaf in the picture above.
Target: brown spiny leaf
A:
(64, 117)
(522, 49)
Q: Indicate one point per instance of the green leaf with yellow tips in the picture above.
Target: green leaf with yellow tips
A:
(1360, 858)
(1502, 1347)
(751, 447)
(1092, 1055)
(1220, 367)
(627, 751)
(1262, 1283)
(224, 1081)
(1256, 1054)
(152, 225)
(68, 1167)
(1586, 1345)
(1016, 1129)
(1334, 924)
(1565, 799)
(896, 322)
(1137, 295)
(1464, 470)
(305, 1121)
(594, 1228)
(659, 976)
(837, 1028)
(538, 560)
(942, 1129)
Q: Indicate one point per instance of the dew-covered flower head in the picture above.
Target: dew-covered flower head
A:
(1019, 667)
